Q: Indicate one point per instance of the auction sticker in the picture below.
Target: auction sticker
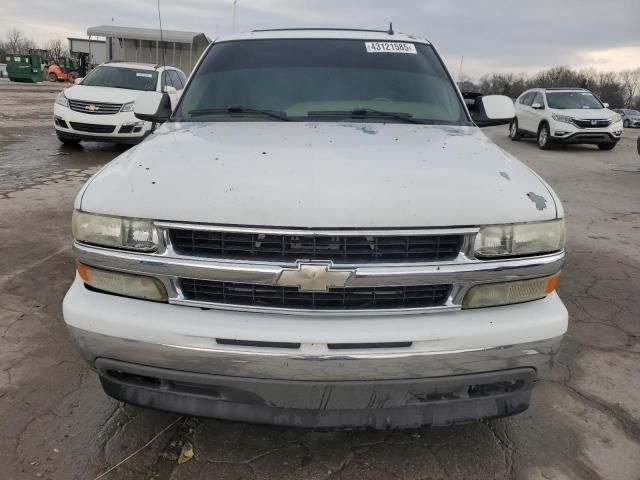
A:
(390, 47)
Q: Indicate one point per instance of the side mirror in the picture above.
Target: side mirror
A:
(170, 90)
(537, 106)
(606, 105)
(153, 107)
(492, 110)
(78, 80)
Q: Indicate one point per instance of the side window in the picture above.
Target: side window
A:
(527, 98)
(166, 80)
(538, 99)
(175, 79)
(183, 78)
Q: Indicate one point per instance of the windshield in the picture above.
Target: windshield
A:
(327, 79)
(568, 100)
(120, 77)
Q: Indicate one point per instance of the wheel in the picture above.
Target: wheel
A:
(72, 142)
(53, 77)
(606, 146)
(514, 132)
(544, 137)
(626, 124)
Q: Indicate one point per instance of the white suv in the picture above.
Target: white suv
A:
(100, 106)
(319, 235)
(565, 115)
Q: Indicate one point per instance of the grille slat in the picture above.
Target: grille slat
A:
(94, 108)
(348, 298)
(339, 249)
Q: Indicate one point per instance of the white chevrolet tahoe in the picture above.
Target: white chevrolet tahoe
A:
(319, 235)
(100, 106)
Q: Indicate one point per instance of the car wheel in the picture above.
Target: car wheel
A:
(625, 124)
(514, 132)
(53, 77)
(72, 142)
(606, 146)
(544, 137)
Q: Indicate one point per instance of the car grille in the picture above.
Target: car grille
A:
(348, 298)
(92, 128)
(338, 249)
(584, 123)
(94, 108)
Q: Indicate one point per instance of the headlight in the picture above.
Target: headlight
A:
(494, 294)
(616, 118)
(520, 239)
(126, 284)
(61, 99)
(117, 232)
(127, 107)
(562, 118)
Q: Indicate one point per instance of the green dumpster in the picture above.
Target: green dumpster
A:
(24, 68)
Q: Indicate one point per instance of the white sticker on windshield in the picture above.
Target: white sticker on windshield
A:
(146, 75)
(390, 47)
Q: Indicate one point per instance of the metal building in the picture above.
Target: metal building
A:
(97, 49)
(181, 49)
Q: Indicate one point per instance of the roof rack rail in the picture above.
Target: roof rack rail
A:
(390, 31)
(566, 88)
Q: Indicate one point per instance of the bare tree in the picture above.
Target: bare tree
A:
(630, 80)
(57, 50)
(14, 41)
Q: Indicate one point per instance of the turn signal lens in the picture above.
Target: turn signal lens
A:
(126, 284)
(494, 294)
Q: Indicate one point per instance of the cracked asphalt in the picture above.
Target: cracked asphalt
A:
(57, 423)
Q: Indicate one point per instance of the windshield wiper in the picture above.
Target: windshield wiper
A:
(369, 113)
(213, 111)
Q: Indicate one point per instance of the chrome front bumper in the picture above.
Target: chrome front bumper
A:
(282, 365)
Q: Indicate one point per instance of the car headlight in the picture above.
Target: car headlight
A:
(507, 293)
(116, 232)
(519, 239)
(562, 118)
(127, 107)
(126, 284)
(61, 99)
(616, 118)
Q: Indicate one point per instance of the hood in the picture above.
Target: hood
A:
(586, 113)
(333, 175)
(101, 94)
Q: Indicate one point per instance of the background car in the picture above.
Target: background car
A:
(563, 116)
(100, 106)
(630, 118)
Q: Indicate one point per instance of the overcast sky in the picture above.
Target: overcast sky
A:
(492, 35)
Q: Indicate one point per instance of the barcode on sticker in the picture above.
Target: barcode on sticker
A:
(390, 47)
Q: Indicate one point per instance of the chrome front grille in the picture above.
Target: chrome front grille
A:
(349, 298)
(94, 108)
(337, 248)
(587, 123)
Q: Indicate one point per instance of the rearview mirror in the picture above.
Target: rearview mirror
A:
(78, 80)
(153, 107)
(537, 106)
(492, 110)
(171, 90)
(606, 105)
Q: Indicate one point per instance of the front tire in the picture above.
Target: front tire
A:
(626, 124)
(514, 131)
(606, 146)
(544, 137)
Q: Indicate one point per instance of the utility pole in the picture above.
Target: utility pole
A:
(235, 4)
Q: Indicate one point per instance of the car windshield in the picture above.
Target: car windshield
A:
(569, 100)
(121, 77)
(321, 80)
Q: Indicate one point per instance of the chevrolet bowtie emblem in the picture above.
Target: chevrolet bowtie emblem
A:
(91, 108)
(313, 277)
